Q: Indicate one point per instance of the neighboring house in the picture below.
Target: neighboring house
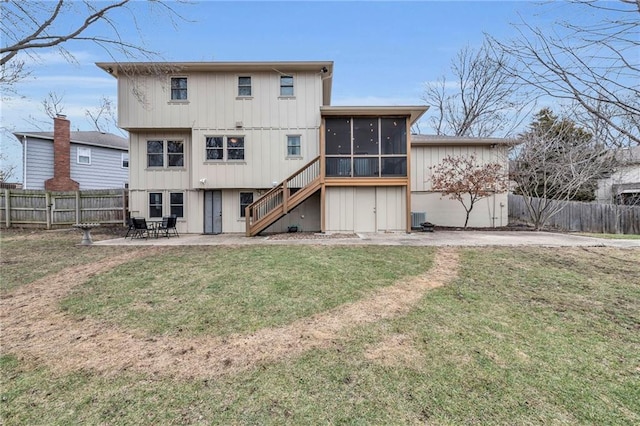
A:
(623, 185)
(256, 147)
(63, 160)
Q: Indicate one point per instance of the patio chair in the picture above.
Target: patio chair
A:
(130, 227)
(140, 229)
(168, 226)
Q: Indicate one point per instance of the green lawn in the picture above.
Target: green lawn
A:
(522, 336)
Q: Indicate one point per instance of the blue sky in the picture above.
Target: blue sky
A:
(383, 52)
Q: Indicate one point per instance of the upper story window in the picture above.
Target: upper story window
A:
(84, 155)
(244, 86)
(178, 88)
(293, 146)
(125, 160)
(165, 152)
(224, 148)
(366, 146)
(286, 85)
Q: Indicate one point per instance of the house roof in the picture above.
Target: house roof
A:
(628, 156)
(324, 68)
(414, 111)
(441, 140)
(105, 140)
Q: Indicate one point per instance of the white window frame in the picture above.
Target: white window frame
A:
(299, 154)
(83, 152)
(125, 158)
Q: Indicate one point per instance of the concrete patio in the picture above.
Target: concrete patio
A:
(437, 238)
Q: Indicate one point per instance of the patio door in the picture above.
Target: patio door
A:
(213, 212)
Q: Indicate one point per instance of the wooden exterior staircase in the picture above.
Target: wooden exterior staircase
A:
(283, 198)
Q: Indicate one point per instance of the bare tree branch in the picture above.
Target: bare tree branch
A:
(595, 66)
(29, 27)
(466, 180)
(483, 101)
(557, 162)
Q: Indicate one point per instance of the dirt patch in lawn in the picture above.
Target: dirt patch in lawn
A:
(35, 329)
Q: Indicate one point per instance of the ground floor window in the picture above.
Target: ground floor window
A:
(246, 198)
(177, 204)
(155, 204)
(175, 207)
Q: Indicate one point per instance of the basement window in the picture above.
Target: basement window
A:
(246, 198)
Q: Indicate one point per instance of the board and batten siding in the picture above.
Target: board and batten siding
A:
(213, 102)
(265, 160)
(144, 178)
(442, 211)
(365, 209)
(104, 172)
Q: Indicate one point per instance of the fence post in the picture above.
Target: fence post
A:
(7, 207)
(48, 208)
(78, 209)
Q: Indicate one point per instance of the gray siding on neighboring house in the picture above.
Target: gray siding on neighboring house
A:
(38, 164)
(104, 172)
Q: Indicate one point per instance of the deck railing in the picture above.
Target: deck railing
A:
(282, 198)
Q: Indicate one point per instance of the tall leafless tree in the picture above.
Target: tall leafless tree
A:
(595, 65)
(482, 100)
(555, 163)
(30, 27)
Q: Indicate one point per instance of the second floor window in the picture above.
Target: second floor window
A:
(223, 148)
(286, 85)
(84, 155)
(178, 88)
(165, 152)
(293, 146)
(125, 160)
(244, 86)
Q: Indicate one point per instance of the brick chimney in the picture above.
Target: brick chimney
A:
(61, 180)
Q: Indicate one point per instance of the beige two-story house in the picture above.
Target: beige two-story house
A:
(257, 147)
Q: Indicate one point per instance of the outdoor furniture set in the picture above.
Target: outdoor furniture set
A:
(139, 227)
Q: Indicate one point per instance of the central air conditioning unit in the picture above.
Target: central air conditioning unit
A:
(417, 218)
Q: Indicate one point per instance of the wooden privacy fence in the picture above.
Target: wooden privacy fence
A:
(38, 208)
(583, 217)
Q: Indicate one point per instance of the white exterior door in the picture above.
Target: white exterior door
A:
(364, 210)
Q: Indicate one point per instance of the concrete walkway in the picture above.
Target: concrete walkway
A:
(437, 238)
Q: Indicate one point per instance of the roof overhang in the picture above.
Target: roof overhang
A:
(439, 140)
(413, 112)
(323, 68)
